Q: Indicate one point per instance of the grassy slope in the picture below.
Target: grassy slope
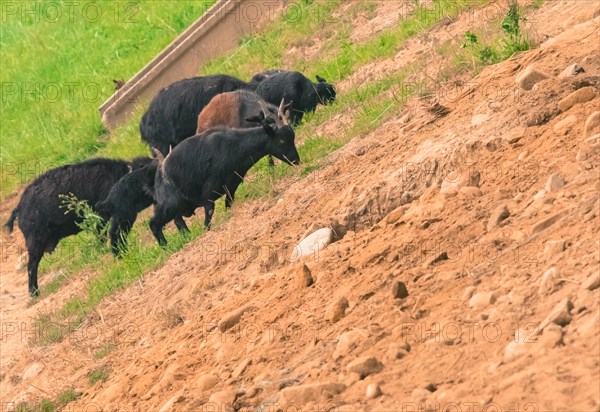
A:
(56, 69)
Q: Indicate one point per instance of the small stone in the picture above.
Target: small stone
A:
(469, 291)
(168, 406)
(482, 299)
(554, 247)
(552, 336)
(592, 124)
(225, 399)
(399, 290)
(420, 394)
(592, 282)
(479, 119)
(554, 183)
(515, 135)
(337, 310)
(365, 366)
(529, 77)
(563, 126)
(395, 352)
(523, 155)
(585, 94)
(439, 258)
(498, 215)
(469, 192)
(303, 276)
(314, 392)
(32, 370)
(515, 350)
(206, 382)
(347, 342)
(547, 283)
(394, 215)
(373, 391)
(232, 318)
(572, 70)
(561, 314)
(312, 244)
(241, 368)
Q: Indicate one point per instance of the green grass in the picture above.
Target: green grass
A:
(55, 71)
(49, 405)
(370, 104)
(98, 375)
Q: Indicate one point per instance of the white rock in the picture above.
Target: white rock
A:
(529, 77)
(373, 391)
(547, 283)
(554, 183)
(313, 244)
(32, 370)
(479, 119)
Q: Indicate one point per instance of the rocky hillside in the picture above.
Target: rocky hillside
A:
(457, 265)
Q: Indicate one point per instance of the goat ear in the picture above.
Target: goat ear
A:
(320, 79)
(268, 128)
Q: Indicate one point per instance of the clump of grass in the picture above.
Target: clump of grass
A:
(49, 405)
(98, 375)
(512, 41)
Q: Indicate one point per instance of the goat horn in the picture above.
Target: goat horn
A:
(264, 108)
(159, 156)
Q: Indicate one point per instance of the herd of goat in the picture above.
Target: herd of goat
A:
(205, 133)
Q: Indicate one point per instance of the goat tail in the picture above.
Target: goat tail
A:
(10, 224)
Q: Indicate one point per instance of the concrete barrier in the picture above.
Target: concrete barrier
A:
(217, 31)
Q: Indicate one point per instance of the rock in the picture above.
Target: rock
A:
(373, 391)
(395, 352)
(529, 77)
(515, 135)
(553, 248)
(479, 119)
(420, 394)
(232, 318)
(546, 223)
(394, 215)
(439, 258)
(498, 215)
(590, 326)
(311, 245)
(168, 406)
(399, 290)
(563, 126)
(314, 392)
(469, 192)
(552, 336)
(303, 276)
(592, 282)
(571, 71)
(523, 155)
(223, 399)
(206, 382)
(554, 183)
(561, 314)
(547, 283)
(449, 188)
(337, 310)
(585, 94)
(365, 366)
(592, 124)
(482, 300)
(32, 370)
(241, 368)
(515, 350)
(347, 342)
(469, 291)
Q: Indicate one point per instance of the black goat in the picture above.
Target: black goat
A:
(133, 193)
(205, 167)
(173, 113)
(296, 88)
(42, 219)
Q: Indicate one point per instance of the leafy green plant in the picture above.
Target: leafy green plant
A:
(98, 375)
(88, 220)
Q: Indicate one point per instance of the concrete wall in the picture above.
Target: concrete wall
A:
(219, 30)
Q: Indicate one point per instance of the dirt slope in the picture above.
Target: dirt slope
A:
(488, 215)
